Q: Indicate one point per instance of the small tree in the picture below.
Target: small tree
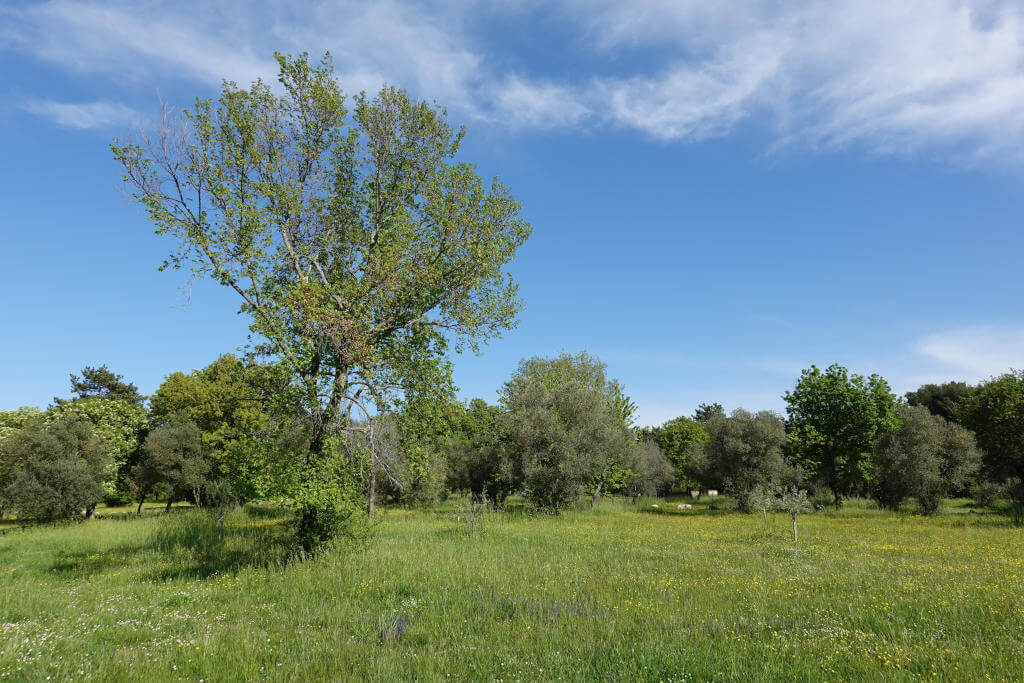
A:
(927, 458)
(60, 469)
(793, 502)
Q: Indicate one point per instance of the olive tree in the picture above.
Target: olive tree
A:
(927, 458)
(743, 452)
(356, 242)
(60, 466)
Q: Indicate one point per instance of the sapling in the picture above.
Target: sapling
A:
(795, 502)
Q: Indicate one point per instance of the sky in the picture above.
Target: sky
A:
(721, 193)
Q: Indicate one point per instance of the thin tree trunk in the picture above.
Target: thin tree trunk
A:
(597, 492)
(794, 527)
(170, 499)
(371, 489)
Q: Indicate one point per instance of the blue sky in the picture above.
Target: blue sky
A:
(721, 193)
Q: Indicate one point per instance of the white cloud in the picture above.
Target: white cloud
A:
(83, 115)
(975, 352)
(896, 77)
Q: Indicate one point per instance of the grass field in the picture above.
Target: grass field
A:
(621, 592)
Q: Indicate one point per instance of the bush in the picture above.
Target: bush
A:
(986, 493)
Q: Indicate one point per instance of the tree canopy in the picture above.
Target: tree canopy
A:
(357, 243)
(835, 420)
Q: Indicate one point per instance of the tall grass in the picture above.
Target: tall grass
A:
(623, 592)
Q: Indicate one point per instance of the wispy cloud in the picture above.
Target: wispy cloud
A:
(83, 115)
(975, 352)
(942, 76)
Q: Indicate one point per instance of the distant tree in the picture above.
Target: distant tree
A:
(359, 246)
(173, 456)
(940, 399)
(13, 420)
(121, 425)
(835, 421)
(234, 403)
(569, 393)
(102, 382)
(651, 473)
(927, 458)
(705, 411)
(60, 467)
(743, 453)
(475, 452)
(676, 437)
(563, 440)
(995, 412)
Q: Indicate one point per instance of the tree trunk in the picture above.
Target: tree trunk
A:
(838, 499)
(597, 492)
(90, 512)
(794, 528)
(138, 510)
(170, 499)
(371, 489)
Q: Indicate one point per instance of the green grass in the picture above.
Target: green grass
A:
(621, 592)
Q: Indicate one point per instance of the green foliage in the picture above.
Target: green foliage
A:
(705, 411)
(568, 430)
(59, 469)
(102, 382)
(232, 401)
(835, 421)
(173, 456)
(743, 452)
(119, 423)
(940, 399)
(13, 420)
(358, 245)
(927, 458)
(474, 452)
(564, 438)
(651, 473)
(995, 412)
(794, 502)
(676, 438)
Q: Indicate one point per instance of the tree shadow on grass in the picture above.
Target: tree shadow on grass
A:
(192, 544)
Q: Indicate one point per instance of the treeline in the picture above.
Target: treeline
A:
(561, 431)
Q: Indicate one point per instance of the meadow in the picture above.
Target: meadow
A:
(620, 592)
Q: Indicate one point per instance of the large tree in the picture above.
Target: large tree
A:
(835, 421)
(995, 411)
(358, 245)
